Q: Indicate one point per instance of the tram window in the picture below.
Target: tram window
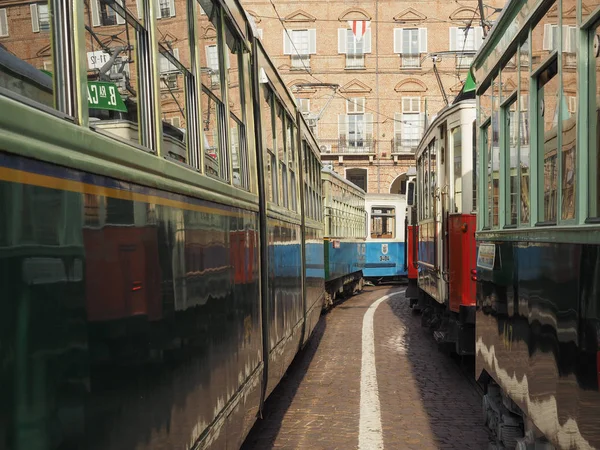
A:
(568, 114)
(279, 142)
(24, 70)
(548, 110)
(495, 157)
(266, 124)
(544, 37)
(432, 178)
(512, 139)
(457, 182)
(524, 133)
(594, 121)
(291, 143)
(237, 114)
(383, 223)
(487, 149)
(113, 84)
(209, 48)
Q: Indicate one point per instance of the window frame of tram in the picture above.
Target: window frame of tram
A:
(57, 96)
(591, 32)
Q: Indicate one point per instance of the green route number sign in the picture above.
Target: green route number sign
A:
(103, 95)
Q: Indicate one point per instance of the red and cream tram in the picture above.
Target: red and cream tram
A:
(445, 253)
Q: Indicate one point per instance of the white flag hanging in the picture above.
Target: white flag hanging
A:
(359, 27)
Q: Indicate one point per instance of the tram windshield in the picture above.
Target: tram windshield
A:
(383, 222)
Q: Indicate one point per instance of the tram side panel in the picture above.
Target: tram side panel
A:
(182, 349)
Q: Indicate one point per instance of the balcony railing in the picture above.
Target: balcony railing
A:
(344, 145)
(404, 145)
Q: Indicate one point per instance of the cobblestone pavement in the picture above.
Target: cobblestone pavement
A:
(426, 403)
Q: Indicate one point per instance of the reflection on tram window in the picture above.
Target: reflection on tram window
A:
(594, 111)
(524, 131)
(266, 122)
(569, 108)
(216, 163)
(175, 77)
(511, 133)
(457, 183)
(544, 38)
(235, 80)
(112, 72)
(495, 156)
(26, 70)
(548, 116)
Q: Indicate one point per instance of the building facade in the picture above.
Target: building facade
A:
(368, 99)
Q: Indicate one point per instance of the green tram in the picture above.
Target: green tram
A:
(161, 237)
(538, 263)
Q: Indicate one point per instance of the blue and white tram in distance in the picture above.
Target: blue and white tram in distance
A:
(386, 250)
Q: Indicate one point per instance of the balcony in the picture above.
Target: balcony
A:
(346, 146)
(403, 146)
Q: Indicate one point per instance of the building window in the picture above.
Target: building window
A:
(3, 23)
(408, 125)
(410, 43)
(104, 15)
(166, 9)
(168, 71)
(40, 19)
(358, 177)
(465, 41)
(354, 48)
(303, 105)
(300, 44)
(355, 128)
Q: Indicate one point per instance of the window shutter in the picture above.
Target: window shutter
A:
(172, 8)
(397, 40)
(478, 37)
(343, 126)
(342, 37)
(547, 42)
(95, 13)
(3, 22)
(453, 35)
(287, 43)
(212, 59)
(120, 19)
(367, 42)
(369, 126)
(572, 40)
(422, 40)
(35, 22)
(312, 41)
(139, 8)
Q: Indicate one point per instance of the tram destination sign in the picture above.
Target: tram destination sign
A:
(104, 95)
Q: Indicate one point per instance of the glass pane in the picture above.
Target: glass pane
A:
(487, 146)
(594, 113)
(544, 38)
(524, 131)
(569, 109)
(548, 93)
(208, 49)
(485, 105)
(28, 23)
(266, 123)
(495, 157)
(173, 87)
(112, 72)
(210, 132)
(457, 184)
(512, 138)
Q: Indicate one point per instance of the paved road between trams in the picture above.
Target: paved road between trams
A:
(371, 378)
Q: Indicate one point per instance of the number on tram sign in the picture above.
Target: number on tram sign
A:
(97, 59)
